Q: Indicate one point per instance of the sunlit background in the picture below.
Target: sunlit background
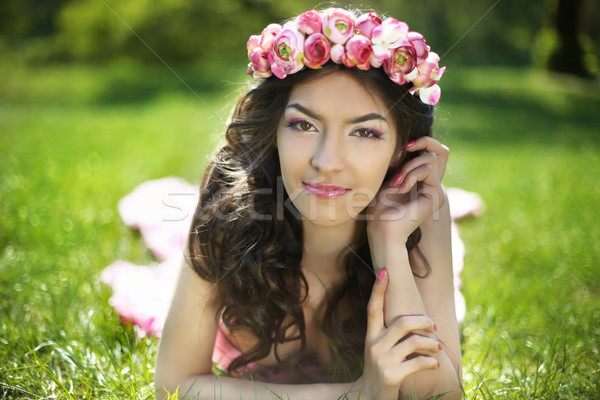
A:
(98, 96)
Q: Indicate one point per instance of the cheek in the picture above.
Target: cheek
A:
(374, 173)
(293, 148)
(372, 164)
(293, 157)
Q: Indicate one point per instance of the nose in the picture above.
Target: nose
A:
(329, 155)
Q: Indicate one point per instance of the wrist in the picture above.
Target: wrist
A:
(389, 254)
(388, 240)
(382, 242)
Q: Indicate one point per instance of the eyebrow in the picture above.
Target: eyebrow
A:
(362, 118)
(306, 111)
(369, 117)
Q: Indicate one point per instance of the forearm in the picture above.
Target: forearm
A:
(403, 298)
(212, 387)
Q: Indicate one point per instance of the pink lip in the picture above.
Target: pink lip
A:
(325, 191)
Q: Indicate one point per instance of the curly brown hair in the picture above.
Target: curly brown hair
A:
(246, 236)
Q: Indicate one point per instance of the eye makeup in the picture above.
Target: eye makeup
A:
(368, 133)
(300, 125)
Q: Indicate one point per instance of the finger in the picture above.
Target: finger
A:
(429, 195)
(429, 144)
(427, 158)
(414, 344)
(404, 326)
(375, 322)
(409, 367)
(424, 173)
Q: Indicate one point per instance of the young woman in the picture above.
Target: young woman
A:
(318, 264)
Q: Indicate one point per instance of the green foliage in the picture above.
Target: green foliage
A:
(176, 30)
(74, 140)
(491, 32)
(528, 144)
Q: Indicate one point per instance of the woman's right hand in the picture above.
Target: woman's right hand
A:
(392, 353)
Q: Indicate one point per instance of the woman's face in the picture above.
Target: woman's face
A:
(336, 142)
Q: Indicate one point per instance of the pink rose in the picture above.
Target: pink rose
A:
(374, 61)
(367, 22)
(338, 25)
(429, 71)
(259, 64)
(268, 34)
(316, 50)
(387, 36)
(287, 53)
(309, 22)
(253, 43)
(418, 41)
(402, 62)
(430, 95)
(358, 52)
(338, 52)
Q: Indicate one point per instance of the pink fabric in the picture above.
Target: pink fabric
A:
(141, 294)
(162, 210)
(464, 204)
(225, 352)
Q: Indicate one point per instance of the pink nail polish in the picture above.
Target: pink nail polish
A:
(382, 274)
(397, 179)
(435, 327)
(440, 346)
(438, 364)
(412, 142)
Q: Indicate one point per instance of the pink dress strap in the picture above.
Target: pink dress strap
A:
(225, 352)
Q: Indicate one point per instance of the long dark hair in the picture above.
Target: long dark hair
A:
(247, 237)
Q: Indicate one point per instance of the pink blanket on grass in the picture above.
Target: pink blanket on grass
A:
(162, 211)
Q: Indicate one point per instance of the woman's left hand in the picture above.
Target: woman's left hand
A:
(413, 194)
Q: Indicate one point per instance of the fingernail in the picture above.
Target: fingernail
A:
(440, 346)
(382, 274)
(438, 364)
(435, 327)
(412, 142)
(397, 179)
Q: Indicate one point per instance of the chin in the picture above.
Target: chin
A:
(327, 213)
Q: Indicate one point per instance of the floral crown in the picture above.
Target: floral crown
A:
(313, 38)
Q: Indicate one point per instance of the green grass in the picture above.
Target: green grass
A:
(74, 140)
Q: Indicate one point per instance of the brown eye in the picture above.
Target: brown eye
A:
(367, 133)
(304, 126)
(301, 126)
(364, 133)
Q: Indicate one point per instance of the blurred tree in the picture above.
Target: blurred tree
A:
(501, 32)
(568, 55)
(25, 19)
(177, 30)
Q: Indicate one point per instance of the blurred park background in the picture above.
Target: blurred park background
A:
(98, 96)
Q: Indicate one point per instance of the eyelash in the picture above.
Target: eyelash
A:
(372, 134)
(375, 135)
(294, 124)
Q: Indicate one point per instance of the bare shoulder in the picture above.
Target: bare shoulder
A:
(190, 329)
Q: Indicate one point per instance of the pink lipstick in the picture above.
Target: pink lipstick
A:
(325, 191)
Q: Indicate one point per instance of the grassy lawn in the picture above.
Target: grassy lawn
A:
(74, 140)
